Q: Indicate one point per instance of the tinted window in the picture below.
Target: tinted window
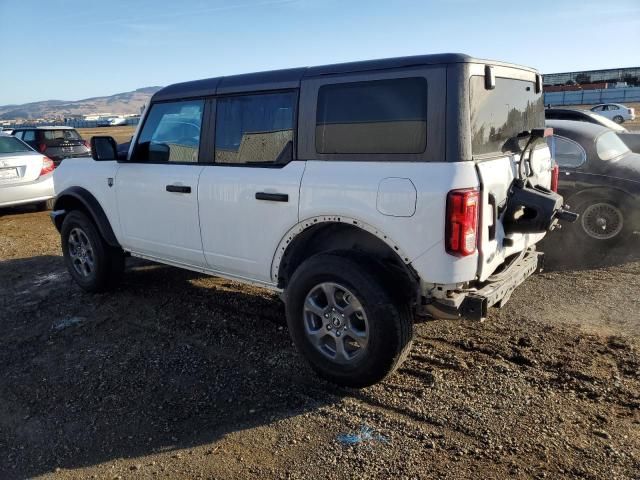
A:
(565, 152)
(12, 145)
(60, 135)
(18, 135)
(255, 128)
(500, 114)
(171, 133)
(29, 136)
(609, 145)
(381, 116)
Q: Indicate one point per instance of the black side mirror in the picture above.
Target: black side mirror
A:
(104, 148)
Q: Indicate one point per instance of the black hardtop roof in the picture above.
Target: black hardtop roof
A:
(577, 129)
(290, 78)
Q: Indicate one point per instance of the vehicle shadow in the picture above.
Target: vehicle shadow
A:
(560, 255)
(170, 360)
(18, 210)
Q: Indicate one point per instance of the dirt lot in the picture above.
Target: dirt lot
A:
(177, 375)
(120, 134)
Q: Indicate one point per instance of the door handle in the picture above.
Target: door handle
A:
(272, 197)
(179, 188)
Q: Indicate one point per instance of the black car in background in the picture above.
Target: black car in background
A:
(631, 139)
(57, 143)
(599, 179)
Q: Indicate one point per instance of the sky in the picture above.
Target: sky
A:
(69, 50)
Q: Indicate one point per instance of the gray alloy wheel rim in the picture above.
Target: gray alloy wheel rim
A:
(618, 119)
(602, 221)
(335, 323)
(81, 252)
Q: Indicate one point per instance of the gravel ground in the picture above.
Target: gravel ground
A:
(178, 375)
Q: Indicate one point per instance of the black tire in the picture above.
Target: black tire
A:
(618, 119)
(46, 205)
(615, 229)
(390, 324)
(107, 263)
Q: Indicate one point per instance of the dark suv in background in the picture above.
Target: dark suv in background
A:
(57, 143)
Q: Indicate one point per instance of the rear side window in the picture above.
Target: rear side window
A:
(60, 135)
(171, 133)
(380, 116)
(29, 136)
(566, 153)
(255, 129)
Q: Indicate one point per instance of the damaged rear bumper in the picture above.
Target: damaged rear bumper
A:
(474, 303)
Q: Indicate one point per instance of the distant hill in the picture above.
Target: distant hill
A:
(120, 103)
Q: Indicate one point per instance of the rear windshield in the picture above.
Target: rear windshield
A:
(61, 135)
(500, 114)
(12, 145)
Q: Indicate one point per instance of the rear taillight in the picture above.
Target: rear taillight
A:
(630, 111)
(461, 229)
(42, 147)
(555, 174)
(47, 166)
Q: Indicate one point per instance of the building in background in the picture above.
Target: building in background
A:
(612, 77)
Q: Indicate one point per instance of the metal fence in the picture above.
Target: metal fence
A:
(593, 97)
(70, 122)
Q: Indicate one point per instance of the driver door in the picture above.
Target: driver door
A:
(157, 188)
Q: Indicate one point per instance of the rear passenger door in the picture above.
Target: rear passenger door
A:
(157, 189)
(248, 193)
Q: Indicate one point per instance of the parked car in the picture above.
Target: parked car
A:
(26, 176)
(116, 121)
(600, 179)
(631, 139)
(57, 143)
(359, 193)
(615, 111)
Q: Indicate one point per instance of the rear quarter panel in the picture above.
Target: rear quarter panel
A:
(420, 237)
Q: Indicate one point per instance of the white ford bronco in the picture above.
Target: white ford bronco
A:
(367, 193)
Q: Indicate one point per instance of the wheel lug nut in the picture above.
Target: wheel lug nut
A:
(338, 333)
(329, 327)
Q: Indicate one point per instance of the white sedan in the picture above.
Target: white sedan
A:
(26, 176)
(615, 111)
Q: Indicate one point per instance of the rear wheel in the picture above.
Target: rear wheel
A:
(344, 322)
(603, 221)
(92, 263)
(618, 119)
(46, 205)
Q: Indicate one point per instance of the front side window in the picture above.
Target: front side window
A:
(171, 133)
(499, 115)
(599, 108)
(566, 153)
(255, 129)
(379, 116)
(609, 145)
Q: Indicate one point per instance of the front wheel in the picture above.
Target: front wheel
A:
(92, 263)
(344, 322)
